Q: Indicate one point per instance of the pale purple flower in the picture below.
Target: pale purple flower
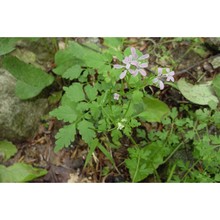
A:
(159, 82)
(161, 77)
(136, 62)
(127, 62)
(139, 69)
(169, 75)
(132, 61)
(116, 96)
(135, 55)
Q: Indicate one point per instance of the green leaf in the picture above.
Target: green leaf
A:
(65, 113)
(85, 130)
(25, 91)
(55, 97)
(152, 109)
(89, 57)
(78, 54)
(216, 85)
(31, 80)
(91, 92)
(92, 146)
(19, 173)
(7, 45)
(106, 153)
(65, 136)
(73, 72)
(64, 60)
(7, 149)
(114, 42)
(144, 161)
(95, 110)
(75, 92)
(137, 96)
(200, 94)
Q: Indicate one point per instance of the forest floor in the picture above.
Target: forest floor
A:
(191, 61)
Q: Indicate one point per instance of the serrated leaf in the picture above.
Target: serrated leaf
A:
(7, 149)
(144, 161)
(7, 45)
(19, 173)
(65, 113)
(91, 92)
(216, 85)
(200, 94)
(152, 109)
(65, 136)
(75, 92)
(85, 130)
(31, 80)
(95, 110)
(73, 72)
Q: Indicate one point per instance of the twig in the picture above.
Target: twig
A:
(195, 65)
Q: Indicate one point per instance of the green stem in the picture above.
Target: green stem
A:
(129, 104)
(189, 170)
(137, 168)
(133, 141)
(174, 151)
(171, 173)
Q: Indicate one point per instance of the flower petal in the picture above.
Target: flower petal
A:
(123, 74)
(160, 71)
(128, 66)
(142, 72)
(117, 66)
(161, 85)
(135, 63)
(134, 54)
(126, 60)
(170, 78)
(143, 65)
(172, 73)
(145, 56)
(168, 70)
(133, 72)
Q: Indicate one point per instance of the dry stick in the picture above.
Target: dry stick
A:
(195, 65)
(189, 68)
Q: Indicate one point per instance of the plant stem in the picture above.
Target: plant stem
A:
(171, 173)
(189, 170)
(174, 151)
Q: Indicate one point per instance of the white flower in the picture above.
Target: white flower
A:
(116, 96)
(120, 126)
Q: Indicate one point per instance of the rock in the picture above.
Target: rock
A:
(216, 62)
(213, 43)
(19, 119)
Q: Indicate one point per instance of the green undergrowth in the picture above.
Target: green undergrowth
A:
(108, 94)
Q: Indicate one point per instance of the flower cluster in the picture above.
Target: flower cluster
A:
(133, 64)
(161, 76)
